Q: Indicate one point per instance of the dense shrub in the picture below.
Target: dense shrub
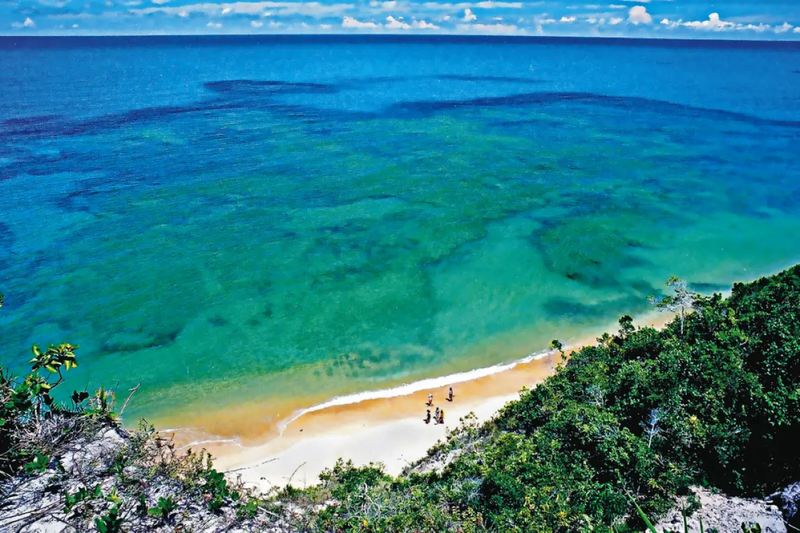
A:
(620, 429)
(710, 399)
(122, 492)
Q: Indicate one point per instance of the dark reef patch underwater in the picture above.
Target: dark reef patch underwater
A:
(623, 427)
(231, 218)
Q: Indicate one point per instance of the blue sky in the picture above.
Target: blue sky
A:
(734, 19)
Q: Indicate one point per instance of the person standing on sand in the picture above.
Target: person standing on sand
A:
(427, 418)
(441, 416)
(430, 400)
(436, 416)
(450, 395)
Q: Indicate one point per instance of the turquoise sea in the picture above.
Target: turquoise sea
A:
(230, 219)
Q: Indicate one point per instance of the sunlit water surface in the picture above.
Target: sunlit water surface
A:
(223, 220)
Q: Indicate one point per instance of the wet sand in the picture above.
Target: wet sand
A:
(388, 430)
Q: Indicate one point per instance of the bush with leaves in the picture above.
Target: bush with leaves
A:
(122, 490)
(27, 404)
(620, 429)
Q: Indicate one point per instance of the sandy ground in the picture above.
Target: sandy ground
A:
(390, 431)
(386, 430)
(395, 443)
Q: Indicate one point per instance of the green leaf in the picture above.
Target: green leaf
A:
(37, 464)
(685, 523)
(640, 512)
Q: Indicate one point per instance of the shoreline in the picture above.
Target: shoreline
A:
(383, 426)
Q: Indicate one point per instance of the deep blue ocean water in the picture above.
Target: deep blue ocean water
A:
(229, 218)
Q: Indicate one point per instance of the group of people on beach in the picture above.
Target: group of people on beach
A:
(438, 414)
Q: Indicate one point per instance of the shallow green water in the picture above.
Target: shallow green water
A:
(263, 247)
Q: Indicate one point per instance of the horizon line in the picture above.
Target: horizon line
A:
(402, 35)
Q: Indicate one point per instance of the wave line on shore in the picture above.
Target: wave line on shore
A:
(411, 388)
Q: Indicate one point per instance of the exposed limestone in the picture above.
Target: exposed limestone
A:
(90, 460)
(722, 513)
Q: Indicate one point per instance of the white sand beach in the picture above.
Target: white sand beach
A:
(296, 459)
(385, 426)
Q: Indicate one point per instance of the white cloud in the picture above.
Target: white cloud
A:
(27, 23)
(469, 16)
(494, 29)
(353, 23)
(615, 20)
(568, 20)
(425, 25)
(214, 25)
(715, 23)
(753, 27)
(396, 24)
(498, 5)
(639, 15)
(386, 6)
(310, 9)
(796, 30)
(160, 2)
(445, 6)
(256, 23)
(393, 23)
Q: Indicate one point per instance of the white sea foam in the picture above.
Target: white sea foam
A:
(174, 430)
(410, 388)
(208, 439)
(237, 442)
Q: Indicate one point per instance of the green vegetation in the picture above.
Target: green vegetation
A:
(616, 433)
(603, 445)
(26, 406)
(117, 486)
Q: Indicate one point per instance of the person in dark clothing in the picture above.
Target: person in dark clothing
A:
(450, 395)
(427, 418)
(436, 415)
(441, 416)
